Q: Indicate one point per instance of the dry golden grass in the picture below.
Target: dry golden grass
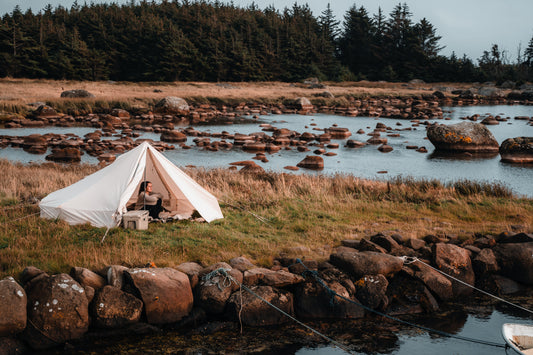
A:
(24, 91)
(306, 216)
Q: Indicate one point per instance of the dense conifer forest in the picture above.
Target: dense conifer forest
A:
(214, 41)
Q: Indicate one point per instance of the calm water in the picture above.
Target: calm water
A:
(485, 327)
(371, 335)
(363, 162)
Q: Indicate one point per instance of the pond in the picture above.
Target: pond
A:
(365, 162)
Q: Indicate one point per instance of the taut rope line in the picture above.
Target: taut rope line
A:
(227, 276)
(449, 335)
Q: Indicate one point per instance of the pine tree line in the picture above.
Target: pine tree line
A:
(214, 41)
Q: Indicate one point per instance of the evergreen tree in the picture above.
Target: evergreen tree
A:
(427, 38)
(528, 54)
(329, 32)
(355, 42)
(401, 42)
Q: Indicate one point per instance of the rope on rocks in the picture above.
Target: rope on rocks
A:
(228, 279)
(431, 330)
(409, 260)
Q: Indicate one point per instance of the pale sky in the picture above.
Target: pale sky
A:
(466, 26)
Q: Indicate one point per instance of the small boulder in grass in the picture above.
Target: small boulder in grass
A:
(76, 93)
(172, 104)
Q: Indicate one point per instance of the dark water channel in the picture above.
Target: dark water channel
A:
(363, 162)
(480, 319)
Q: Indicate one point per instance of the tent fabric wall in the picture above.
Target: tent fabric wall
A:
(101, 198)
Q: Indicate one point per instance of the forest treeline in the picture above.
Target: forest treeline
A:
(182, 40)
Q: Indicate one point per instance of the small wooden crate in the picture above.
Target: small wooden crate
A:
(135, 220)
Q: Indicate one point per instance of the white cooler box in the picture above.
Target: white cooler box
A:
(135, 220)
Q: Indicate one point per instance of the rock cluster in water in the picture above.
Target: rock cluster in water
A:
(118, 123)
(384, 272)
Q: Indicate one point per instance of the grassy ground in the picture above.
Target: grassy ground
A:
(15, 94)
(306, 216)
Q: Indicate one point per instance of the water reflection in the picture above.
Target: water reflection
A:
(480, 319)
(462, 156)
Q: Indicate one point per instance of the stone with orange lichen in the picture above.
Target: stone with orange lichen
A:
(463, 137)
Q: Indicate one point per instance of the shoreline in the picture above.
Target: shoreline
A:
(362, 275)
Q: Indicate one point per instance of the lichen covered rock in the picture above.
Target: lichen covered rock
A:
(462, 137)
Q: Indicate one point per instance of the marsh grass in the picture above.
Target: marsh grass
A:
(265, 215)
(20, 92)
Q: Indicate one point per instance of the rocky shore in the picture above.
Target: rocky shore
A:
(126, 126)
(383, 272)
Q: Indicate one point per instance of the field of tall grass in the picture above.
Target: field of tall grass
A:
(16, 94)
(266, 215)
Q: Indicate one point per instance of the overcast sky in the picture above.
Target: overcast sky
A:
(466, 26)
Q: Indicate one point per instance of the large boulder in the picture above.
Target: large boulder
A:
(515, 261)
(114, 308)
(192, 270)
(303, 103)
(455, 261)
(485, 262)
(241, 263)
(86, 277)
(58, 311)
(166, 293)
(408, 295)
(439, 284)
(45, 111)
(76, 93)
(252, 311)
(172, 104)
(364, 263)
(372, 291)
(463, 137)
(517, 150)
(312, 300)
(214, 289)
(12, 307)
(262, 276)
(490, 91)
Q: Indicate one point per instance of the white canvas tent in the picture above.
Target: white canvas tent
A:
(101, 198)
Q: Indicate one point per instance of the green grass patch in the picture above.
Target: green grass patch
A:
(265, 214)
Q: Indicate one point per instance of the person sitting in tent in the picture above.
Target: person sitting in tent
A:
(148, 200)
